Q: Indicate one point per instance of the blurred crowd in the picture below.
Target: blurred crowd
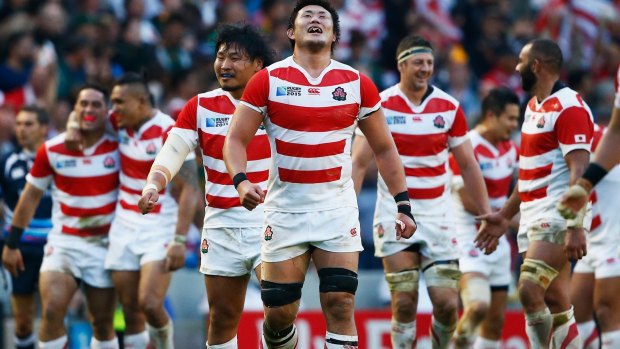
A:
(48, 48)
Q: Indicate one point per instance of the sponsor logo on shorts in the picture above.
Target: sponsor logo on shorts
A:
(396, 120)
(288, 91)
(610, 260)
(541, 122)
(109, 162)
(313, 91)
(473, 253)
(380, 231)
(268, 233)
(204, 246)
(354, 232)
(545, 225)
(439, 122)
(454, 242)
(151, 149)
(216, 122)
(339, 94)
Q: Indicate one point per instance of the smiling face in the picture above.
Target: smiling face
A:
(234, 68)
(128, 105)
(507, 122)
(91, 109)
(417, 70)
(313, 28)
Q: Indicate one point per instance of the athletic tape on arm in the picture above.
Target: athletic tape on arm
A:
(172, 155)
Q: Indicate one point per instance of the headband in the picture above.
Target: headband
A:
(413, 51)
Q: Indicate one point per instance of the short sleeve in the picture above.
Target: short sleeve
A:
(574, 129)
(186, 125)
(41, 174)
(256, 92)
(370, 98)
(457, 134)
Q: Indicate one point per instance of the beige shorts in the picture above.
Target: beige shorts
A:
(434, 241)
(288, 235)
(230, 251)
(79, 257)
(550, 230)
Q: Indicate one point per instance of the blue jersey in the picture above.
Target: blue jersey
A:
(14, 167)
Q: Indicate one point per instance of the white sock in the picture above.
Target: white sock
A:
(538, 328)
(589, 334)
(58, 343)
(340, 341)
(403, 334)
(611, 340)
(231, 344)
(483, 343)
(441, 334)
(27, 342)
(137, 340)
(110, 344)
(163, 337)
(565, 333)
(285, 340)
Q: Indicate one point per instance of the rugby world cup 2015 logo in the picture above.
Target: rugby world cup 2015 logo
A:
(268, 233)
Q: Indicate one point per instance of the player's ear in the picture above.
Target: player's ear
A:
(290, 33)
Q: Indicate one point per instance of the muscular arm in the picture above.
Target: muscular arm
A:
(607, 154)
(378, 137)
(472, 177)
(577, 161)
(26, 206)
(186, 182)
(243, 127)
(361, 154)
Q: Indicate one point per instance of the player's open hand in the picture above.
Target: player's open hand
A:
(250, 194)
(575, 198)
(492, 227)
(148, 200)
(13, 261)
(175, 257)
(575, 245)
(405, 226)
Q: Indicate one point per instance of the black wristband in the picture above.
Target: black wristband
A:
(402, 197)
(594, 173)
(15, 235)
(238, 178)
(406, 210)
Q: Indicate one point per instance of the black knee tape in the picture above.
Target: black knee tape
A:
(337, 280)
(276, 295)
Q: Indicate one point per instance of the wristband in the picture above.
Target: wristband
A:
(402, 198)
(148, 187)
(406, 210)
(238, 178)
(577, 222)
(15, 235)
(594, 173)
(178, 239)
(74, 125)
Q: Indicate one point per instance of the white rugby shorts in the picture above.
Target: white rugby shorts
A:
(230, 251)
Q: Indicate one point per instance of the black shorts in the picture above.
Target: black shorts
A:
(27, 281)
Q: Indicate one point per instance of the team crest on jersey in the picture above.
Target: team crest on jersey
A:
(339, 94)
(268, 233)
(109, 162)
(439, 122)
(541, 122)
(353, 232)
(66, 163)
(151, 149)
(380, 231)
(204, 246)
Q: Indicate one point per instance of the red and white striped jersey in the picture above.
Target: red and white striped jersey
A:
(138, 150)
(310, 123)
(617, 82)
(84, 185)
(497, 164)
(204, 121)
(551, 129)
(423, 134)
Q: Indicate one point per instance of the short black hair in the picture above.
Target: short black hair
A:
(548, 53)
(496, 101)
(412, 41)
(132, 78)
(42, 116)
(324, 4)
(97, 87)
(246, 38)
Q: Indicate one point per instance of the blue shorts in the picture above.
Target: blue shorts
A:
(27, 282)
